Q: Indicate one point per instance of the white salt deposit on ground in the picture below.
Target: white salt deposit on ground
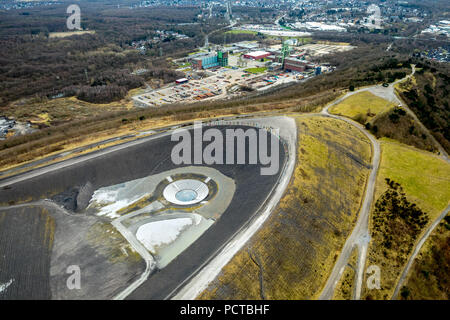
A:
(5, 286)
(155, 234)
(107, 202)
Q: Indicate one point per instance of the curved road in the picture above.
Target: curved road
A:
(360, 236)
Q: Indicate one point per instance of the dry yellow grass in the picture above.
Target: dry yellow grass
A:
(69, 145)
(56, 111)
(429, 275)
(345, 287)
(362, 104)
(407, 84)
(301, 240)
(125, 129)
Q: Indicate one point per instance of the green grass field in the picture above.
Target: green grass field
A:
(424, 177)
(362, 104)
(241, 32)
(344, 288)
(195, 52)
(256, 70)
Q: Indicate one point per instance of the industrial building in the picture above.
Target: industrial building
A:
(181, 81)
(257, 55)
(222, 58)
(294, 64)
(246, 45)
(210, 61)
(205, 62)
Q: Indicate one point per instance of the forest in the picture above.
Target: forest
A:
(96, 67)
(428, 96)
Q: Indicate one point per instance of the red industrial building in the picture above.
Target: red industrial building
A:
(257, 55)
(294, 64)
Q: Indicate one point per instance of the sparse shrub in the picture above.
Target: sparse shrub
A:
(394, 117)
(426, 274)
(361, 118)
(374, 129)
(394, 212)
(405, 292)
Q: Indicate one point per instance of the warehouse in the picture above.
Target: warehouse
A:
(181, 81)
(294, 64)
(257, 55)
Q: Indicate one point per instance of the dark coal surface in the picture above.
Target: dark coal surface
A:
(146, 159)
(25, 250)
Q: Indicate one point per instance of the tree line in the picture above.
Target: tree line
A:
(95, 67)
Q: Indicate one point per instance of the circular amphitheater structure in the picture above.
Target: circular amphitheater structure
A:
(128, 186)
(186, 192)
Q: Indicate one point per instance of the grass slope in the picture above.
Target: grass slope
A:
(424, 180)
(345, 286)
(293, 253)
(429, 277)
(362, 104)
(424, 177)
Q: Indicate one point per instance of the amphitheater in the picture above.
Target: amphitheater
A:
(186, 191)
(107, 209)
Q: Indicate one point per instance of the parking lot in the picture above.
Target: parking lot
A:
(224, 82)
(221, 83)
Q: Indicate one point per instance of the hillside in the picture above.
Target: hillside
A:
(427, 94)
(312, 221)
